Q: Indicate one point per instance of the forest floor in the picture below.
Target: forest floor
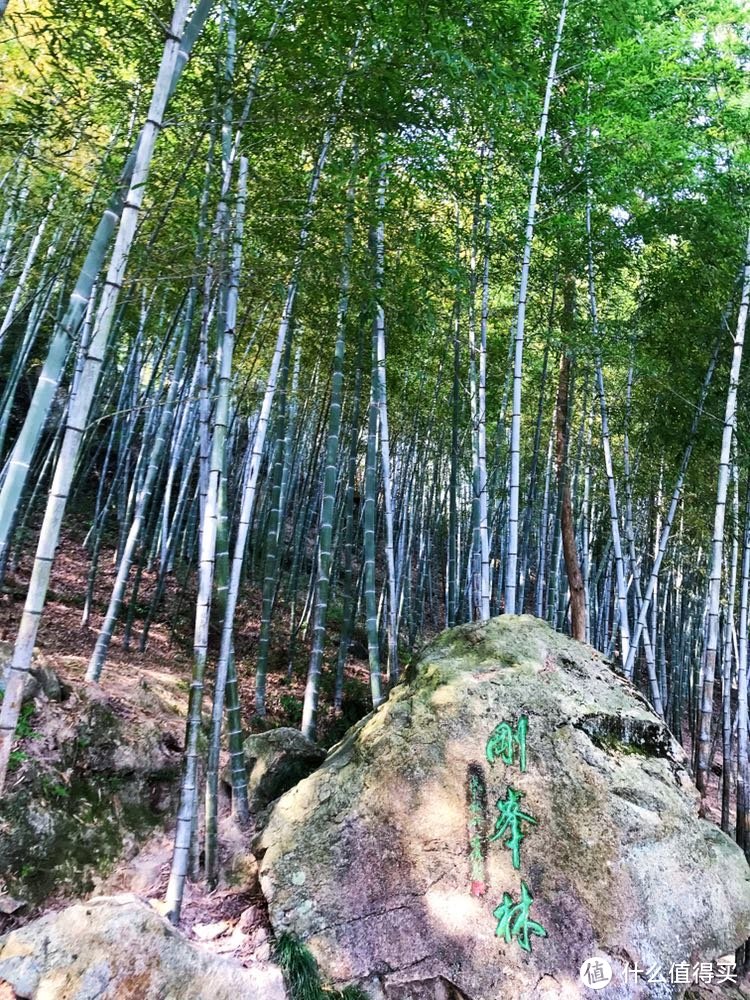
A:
(230, 920)
(64, 640)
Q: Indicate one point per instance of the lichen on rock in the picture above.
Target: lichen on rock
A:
(367, 860)
(92, 784)
(119, 948)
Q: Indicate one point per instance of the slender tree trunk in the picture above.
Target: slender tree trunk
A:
(511, 581)
(81, 405)
(323, 580)
(742, 827)
(350, 528)
(743, 765)
(726, 663)
(452, 561)
(717, 546)
(278, 454)
(385, 446)
(222, 552)
(567, 521)
(368, 525)
(485, 579)
(621, 586)
(540, 609)
(531, 495)
(656, 698)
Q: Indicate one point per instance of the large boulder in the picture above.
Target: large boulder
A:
(513, 810)
(118, 948)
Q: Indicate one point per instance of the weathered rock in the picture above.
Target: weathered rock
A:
(93, 782)
(276, 761)
(31, 689)
(40, 680)
(48, 681)
(31, 685)
(367, 860)
(9, 905)
(118, 948)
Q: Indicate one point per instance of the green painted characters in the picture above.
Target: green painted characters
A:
(513, 920)
(504, 740)
(509, 820)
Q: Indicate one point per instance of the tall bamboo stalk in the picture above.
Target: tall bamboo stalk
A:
(325, 534)
(511, 577)
(77, 417)
(717, 544)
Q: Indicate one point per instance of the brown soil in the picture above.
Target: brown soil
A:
(231, 920)
(68, 644)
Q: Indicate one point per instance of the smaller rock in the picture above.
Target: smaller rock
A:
(41, 678)
(262, 952)
(207, 932)
(30, 686)
(48, 681)
(250, 919)
(276, 761)
(242, 868)
(117, 947)
(9, 905)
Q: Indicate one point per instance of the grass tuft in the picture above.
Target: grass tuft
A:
(302, 976)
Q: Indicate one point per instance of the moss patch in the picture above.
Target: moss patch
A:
(68, 818)
(626, 734)
(56, 836)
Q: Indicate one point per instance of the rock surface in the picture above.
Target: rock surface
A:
(118, 948)
(91, 782)
(41, 680)
(276, 760)
(368, 859)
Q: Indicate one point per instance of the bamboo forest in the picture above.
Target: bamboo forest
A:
(374, 499)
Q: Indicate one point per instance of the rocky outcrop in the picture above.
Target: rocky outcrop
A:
(91, 779)
(512, 810)
(118, 948)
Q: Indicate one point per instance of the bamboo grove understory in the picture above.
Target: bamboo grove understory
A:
(383, 319)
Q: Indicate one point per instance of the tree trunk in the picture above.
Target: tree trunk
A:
(511, 578)
(567, 520)
(717, 549)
